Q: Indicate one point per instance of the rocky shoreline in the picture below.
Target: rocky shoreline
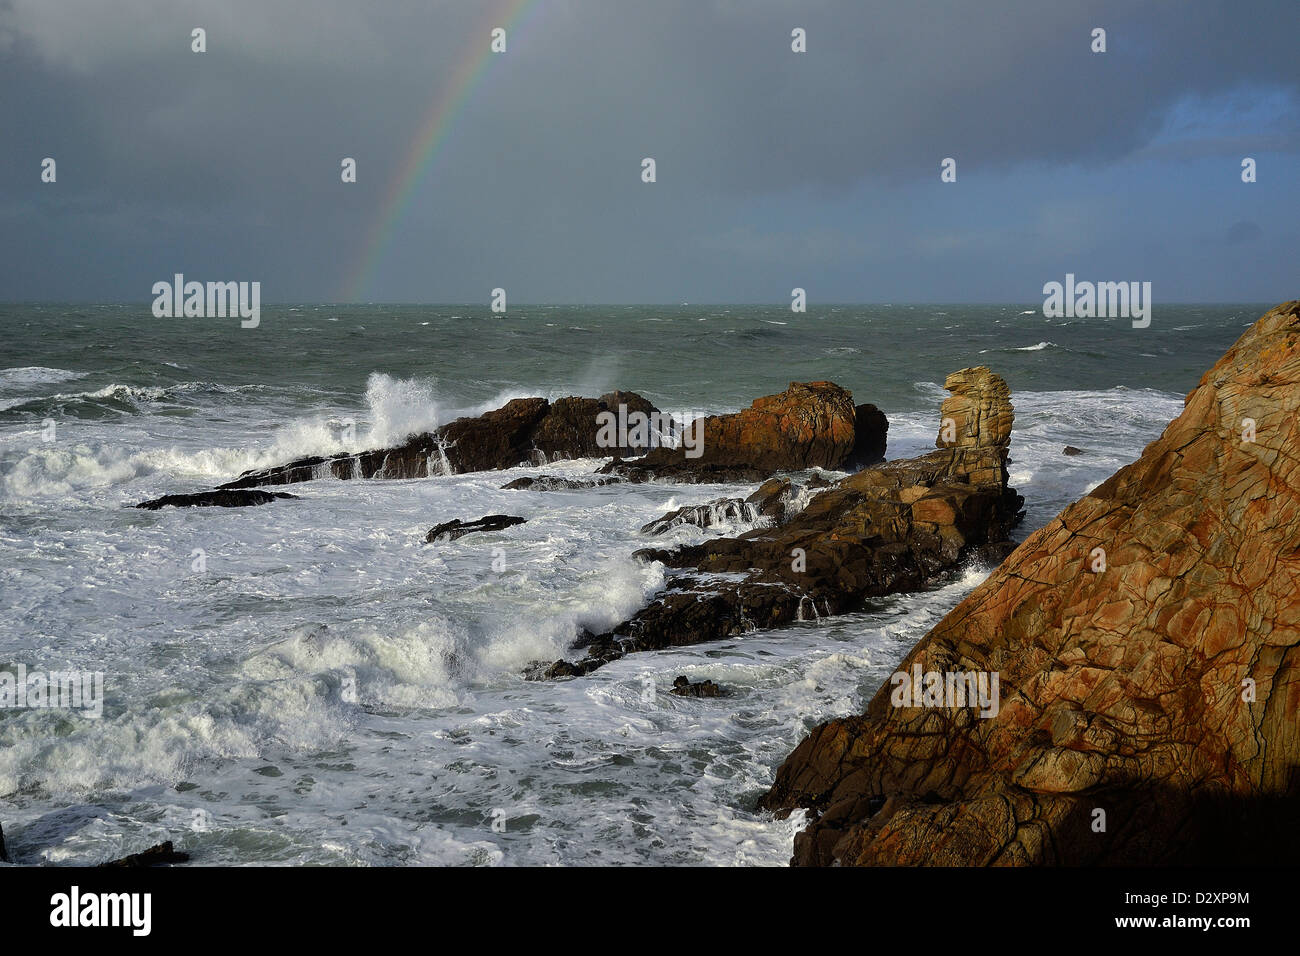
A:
(1139, 647)
(887, 528)
(1146, 642)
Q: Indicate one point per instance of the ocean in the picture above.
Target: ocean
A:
(309, 682)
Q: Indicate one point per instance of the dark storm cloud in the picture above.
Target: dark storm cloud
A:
(226, 163)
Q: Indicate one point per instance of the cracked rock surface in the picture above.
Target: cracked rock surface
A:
(1146, 642)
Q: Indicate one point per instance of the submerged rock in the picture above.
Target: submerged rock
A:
(1145, 643)
(551, 483)
(218, 499)
(451, 530)
(1071, 450)
(161, 854)
(888, 528)
(683, 687)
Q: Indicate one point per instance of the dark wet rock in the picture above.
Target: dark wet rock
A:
(809, 425)
(160, 855)
(774, 501)
(683, 687)
(888, 528)
(551, 483)
(524, 431)
(1147, 644)
(451, 530)
(870, 432)
(4, 853)
(1071, 450)
(218, 499)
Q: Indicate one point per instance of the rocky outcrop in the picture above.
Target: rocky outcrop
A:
(978, 412)
(813, 425)
(217, 499)
(809, 425)
(776, 500)
(451, 530)
(1146, 645)
(524, 431)
(888, 528)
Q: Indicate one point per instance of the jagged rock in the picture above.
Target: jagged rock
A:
(159, 855)
(528, 431)
(551, 483)
(451, 530)
(773, 502)
(1146, 646)
(810, 425)
(1071, 450)
(979, 410)
(219, 499)
(888, 528)
(683, 687)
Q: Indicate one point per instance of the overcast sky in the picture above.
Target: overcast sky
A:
(775, 169)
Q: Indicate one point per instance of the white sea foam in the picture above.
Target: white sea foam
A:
(234, 680)
(33, 375)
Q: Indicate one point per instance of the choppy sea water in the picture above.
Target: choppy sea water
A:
(308, 682)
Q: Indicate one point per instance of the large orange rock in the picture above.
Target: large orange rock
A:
(1145, 643)
(809, 425)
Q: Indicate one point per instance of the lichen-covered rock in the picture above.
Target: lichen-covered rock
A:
(1146, 647)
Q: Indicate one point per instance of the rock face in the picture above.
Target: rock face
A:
(978, 412)
(218, 499)
(870, 433)
(523, 431)
(1146, 646)
(451, 530)
(888, 528)
(809, 425)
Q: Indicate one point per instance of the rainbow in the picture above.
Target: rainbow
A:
(433, 132)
